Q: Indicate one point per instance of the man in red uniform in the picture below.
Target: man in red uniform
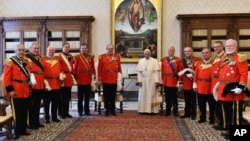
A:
(17, 82)
(108, 68)
(218, 49)
(189, 63)
(234, 68)
(52, 76)
(170, 66)
(84, 71)
(37, 89)
(202, 85)
(66, 61)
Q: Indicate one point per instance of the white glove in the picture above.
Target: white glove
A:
(32, 79)
(93, 83)
(215, 91)
(119, 82)
(236, 90)
(47, 86)
(74, 80)
(179, 85)
(189, 75)
(62, 76)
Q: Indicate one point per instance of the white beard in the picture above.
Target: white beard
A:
(230, 52)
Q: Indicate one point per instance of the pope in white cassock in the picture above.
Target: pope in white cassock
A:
(148, 73)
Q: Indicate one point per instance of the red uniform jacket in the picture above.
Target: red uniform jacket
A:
(170, 78)
(234, 68)
(187, 83)
(202, 77)
(52, 69)
(108, 68)
(67, 68)
(15, 79)
(215, 69)
(84, 68)
(37, 71)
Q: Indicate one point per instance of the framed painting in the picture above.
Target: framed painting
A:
(136, 26)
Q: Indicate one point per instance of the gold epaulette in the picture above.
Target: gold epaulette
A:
(242, 57)
(56, 57)
(43, 57)
(28, 59)
(76, 56)
(92, 55)
(8, 62)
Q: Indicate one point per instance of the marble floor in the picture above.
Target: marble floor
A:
(127, 105)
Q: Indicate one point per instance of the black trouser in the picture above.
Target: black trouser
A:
(20, 106)
(51, 97)
(218, 112)
(63, 103)
(109, 92)
(83, 89)
(233, 112)
(34, 108)
(202, 100)
(171, 98)
(190, 103)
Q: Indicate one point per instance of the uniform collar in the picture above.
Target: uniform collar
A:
(207, 62)
(220, 54)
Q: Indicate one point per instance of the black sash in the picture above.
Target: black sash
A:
(21, 66)
(185, 65)
(35, 61)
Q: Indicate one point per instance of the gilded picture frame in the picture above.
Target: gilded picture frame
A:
(136, 25)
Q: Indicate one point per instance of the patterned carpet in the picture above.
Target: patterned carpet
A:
(129, 126)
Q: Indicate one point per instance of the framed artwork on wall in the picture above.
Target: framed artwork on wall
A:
(136, 26)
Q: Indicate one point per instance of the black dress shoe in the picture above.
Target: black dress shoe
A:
(193, 117)
(47, 121)
(87, 114)
(176, 114)
(224, 134)
(80, 114)
(68, 116)
(211, 122)
(113, 113)
(56, 120)
(25, 133)
(40, 125)
(16, 137)
(216, 126)
(185, 116)
(33, 127)
(167, 113)
(106, 113)
(62, 117)
(201, 121)
(227, 137)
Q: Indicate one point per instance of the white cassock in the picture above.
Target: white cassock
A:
(148, 72)
(2, 87)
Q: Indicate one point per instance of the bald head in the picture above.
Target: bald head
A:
(51, 51)
(147, 53)
(171, 51)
